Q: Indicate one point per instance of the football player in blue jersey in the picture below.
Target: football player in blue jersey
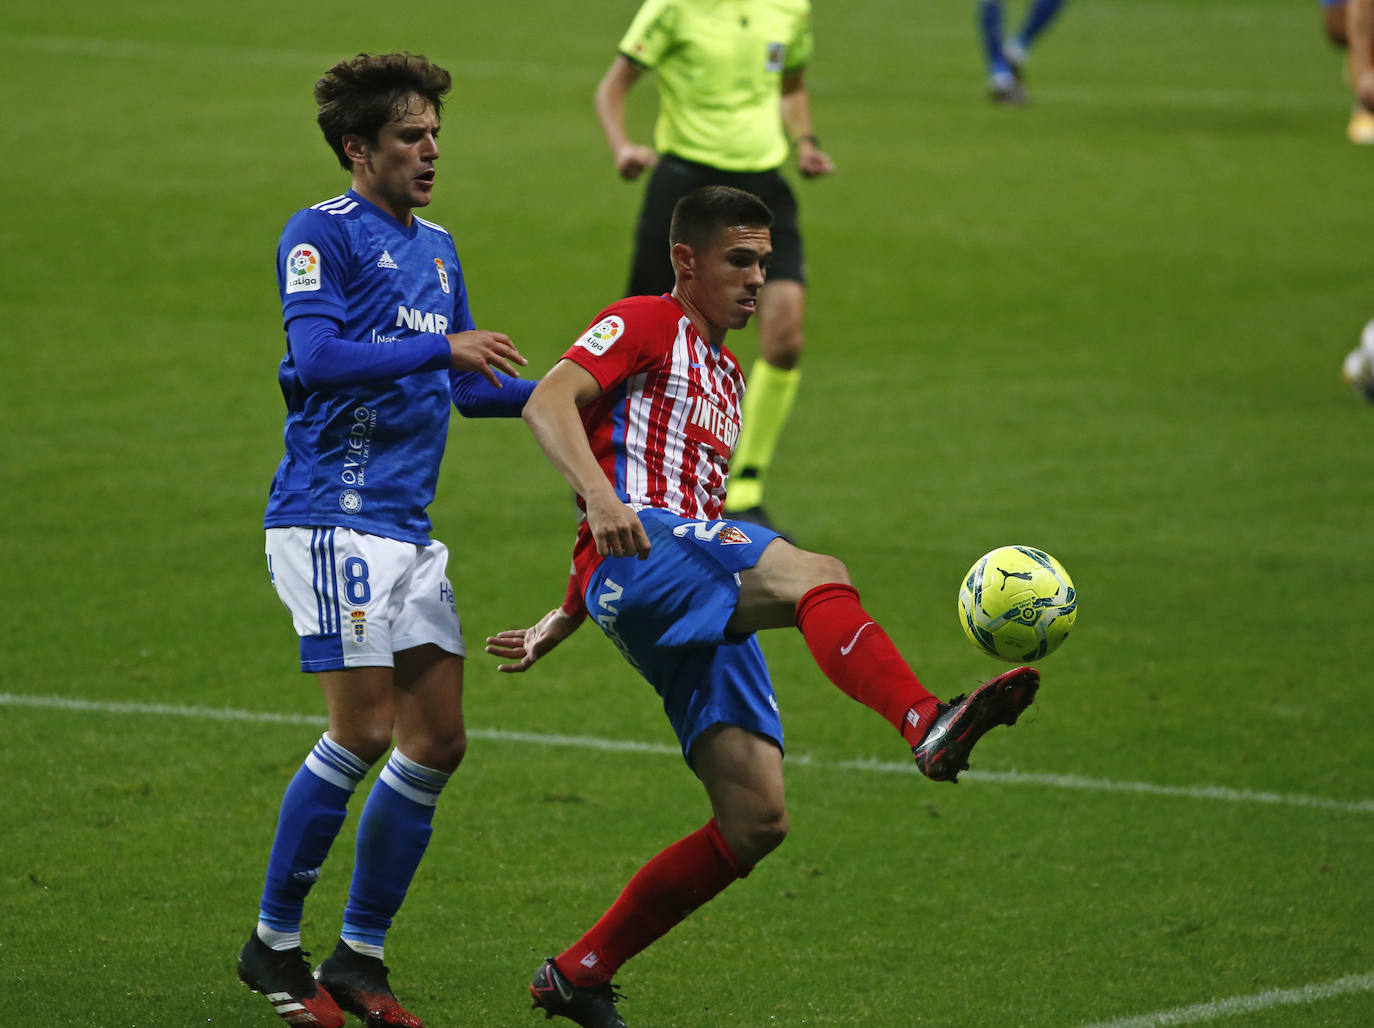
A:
(380, 341)
(1006, 56)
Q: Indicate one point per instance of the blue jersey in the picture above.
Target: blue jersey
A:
(365, 431)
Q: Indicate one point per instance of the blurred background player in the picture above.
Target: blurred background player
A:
(639, 417)
(732, 102)
(1006, 57)
(1348, 27)
(1333, 21)
(1358, 366)
(379, 342)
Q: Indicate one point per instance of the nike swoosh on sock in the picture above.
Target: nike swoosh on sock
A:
(844, 650)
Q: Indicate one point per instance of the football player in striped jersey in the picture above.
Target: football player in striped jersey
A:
(640, 416)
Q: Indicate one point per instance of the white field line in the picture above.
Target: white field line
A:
(1220, 1008)
(587, 742)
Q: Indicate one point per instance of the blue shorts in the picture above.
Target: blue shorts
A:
(667, 616)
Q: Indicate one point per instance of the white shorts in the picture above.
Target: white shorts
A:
(357, 599)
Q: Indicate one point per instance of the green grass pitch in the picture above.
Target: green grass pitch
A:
(1109, 325)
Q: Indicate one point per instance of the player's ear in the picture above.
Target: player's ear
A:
(355, 147)
(684, 260)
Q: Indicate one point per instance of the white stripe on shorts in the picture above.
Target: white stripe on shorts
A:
(326, 585)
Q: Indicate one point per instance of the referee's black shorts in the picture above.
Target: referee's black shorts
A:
(651, 272)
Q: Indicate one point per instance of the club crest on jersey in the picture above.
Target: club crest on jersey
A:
(443, 273)
(350, 501)
(303, 269)
(602, 336)
(732, 536)
(357, 621)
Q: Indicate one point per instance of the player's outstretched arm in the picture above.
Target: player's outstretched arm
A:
(478, 350)
(552, 414)
(526, 645)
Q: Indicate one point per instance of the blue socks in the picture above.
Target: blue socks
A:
(392, 835)
(312, 812)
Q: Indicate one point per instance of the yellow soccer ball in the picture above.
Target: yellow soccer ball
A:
(1017, 604)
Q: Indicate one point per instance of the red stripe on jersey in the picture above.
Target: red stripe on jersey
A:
(669, 413)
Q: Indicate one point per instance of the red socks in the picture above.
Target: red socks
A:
(662, 893)
(857, 655)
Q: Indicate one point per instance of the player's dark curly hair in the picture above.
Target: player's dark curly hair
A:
(702, 213)
(359, 96)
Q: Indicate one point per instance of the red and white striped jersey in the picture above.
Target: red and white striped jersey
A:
(669, 414)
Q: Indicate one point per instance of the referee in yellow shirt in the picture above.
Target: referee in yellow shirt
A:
(732, 104)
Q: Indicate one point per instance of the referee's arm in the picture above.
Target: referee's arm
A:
(812, 161)
(631, 158)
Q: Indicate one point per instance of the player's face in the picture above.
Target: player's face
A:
(397, 171)
(727, 277)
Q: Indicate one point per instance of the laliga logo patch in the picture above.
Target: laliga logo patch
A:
(357, 620)
(443, 275)
(303, 269)
(777, 57)
(602, 336)
(730, 535)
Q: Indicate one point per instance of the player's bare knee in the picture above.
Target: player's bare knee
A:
(783, 351)
(455, 749)
(368, 742)
(440, 752)
(823, 569)
(771, 591)
(763, 836)
(752, 839)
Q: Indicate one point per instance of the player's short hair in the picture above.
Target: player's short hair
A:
(701, 215)
(360, 95)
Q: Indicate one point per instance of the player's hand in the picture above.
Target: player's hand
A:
(616, 527)
(632, 158)
(526, 645)
(478, 350)
(812, 161)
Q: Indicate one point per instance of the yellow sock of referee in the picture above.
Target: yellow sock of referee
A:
(767, 403)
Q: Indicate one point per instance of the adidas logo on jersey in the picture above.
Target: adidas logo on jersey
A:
(385, 261)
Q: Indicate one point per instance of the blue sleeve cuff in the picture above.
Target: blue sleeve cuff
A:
(475, 397)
